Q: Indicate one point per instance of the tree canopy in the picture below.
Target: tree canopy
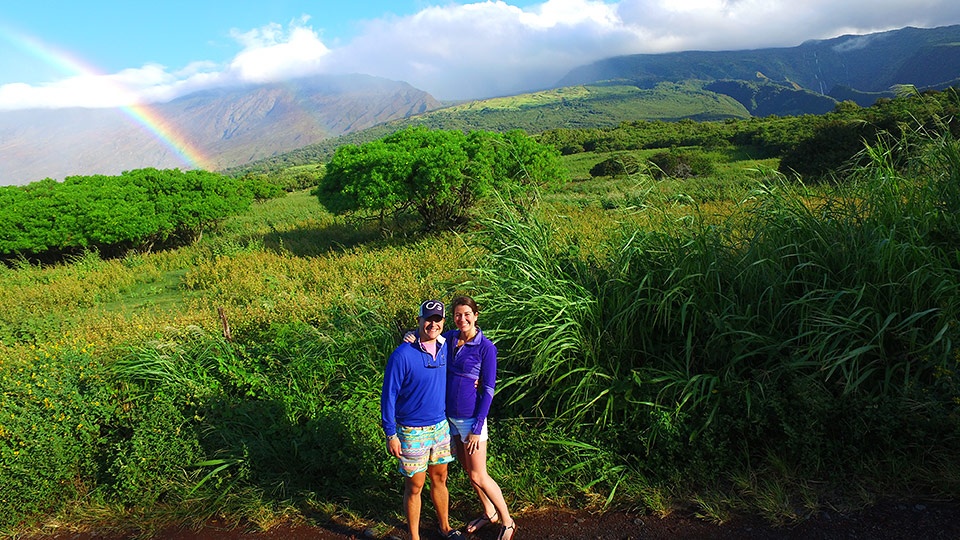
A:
(440, 175)
(134, 210)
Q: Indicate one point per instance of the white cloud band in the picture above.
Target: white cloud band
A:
(493, 48)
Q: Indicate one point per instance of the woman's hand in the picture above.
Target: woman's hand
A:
(410, 336)
(472, 444)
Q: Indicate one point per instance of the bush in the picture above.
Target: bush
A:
(157, 445)
(681, 164)
(757, 343)
(625, 165)
(112, 214)
(56, 410)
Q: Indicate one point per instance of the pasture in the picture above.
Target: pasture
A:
(738, 343)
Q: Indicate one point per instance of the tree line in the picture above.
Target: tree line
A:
(137, 209)
(809, 146)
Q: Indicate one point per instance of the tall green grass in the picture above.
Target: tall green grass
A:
(787, 350)
(809, 331)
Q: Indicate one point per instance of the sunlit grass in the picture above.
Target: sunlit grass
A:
(716, 342)
(249, 270)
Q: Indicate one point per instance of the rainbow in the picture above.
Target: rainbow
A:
(142, 114)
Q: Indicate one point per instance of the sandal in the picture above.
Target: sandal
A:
(481, 522)
(503, 531)
(452, 533)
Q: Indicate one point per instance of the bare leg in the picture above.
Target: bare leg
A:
(412, 487)
(489, 509)
(440, 495)
(487, 489)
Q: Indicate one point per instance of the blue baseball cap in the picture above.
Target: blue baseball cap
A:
(430, 308)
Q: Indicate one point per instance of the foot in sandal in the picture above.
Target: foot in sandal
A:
(506, 533)
(481, 522)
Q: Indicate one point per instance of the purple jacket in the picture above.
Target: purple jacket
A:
(475, 360)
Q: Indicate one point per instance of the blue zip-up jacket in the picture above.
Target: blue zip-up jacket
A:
(475, 361)
(413, 387)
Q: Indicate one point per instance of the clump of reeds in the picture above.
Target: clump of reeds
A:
(778, 333)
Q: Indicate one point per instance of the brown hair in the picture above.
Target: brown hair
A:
(464, 301)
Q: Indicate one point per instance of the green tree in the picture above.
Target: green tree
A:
(112, 214)
(439, 175)
(617, 166)
(681, 164)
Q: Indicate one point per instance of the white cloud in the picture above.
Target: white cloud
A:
(78, 91)
(481, 49)
(487, 48)
(272, 54)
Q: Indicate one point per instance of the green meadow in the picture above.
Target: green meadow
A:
(732, 343)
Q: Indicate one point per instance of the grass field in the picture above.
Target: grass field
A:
(736, 343)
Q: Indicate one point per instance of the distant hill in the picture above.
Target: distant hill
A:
(572, 107)
(226, 127)
(270, 127)
(765, 98)
(865, 65)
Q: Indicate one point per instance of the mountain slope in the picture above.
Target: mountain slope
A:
(221, 127)
(808, 79)
(765, 98)
(571, 107)
(867, 63)
(272, 126)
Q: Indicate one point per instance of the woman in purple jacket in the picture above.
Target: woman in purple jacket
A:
(471, 378)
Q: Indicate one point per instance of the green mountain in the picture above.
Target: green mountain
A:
(765, 98)
(225, 127)
(585, 106)
(868, 64)
(811, 78)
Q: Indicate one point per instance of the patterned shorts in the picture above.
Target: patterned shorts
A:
(423, 446)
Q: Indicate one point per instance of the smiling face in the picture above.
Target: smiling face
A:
(465, 319)
(430, 328)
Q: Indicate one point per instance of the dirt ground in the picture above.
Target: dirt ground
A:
(886, 521)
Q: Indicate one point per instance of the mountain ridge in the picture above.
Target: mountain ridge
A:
(225, 127)
(868, 62)
(243, 128)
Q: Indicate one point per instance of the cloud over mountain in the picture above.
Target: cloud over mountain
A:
(482, 49)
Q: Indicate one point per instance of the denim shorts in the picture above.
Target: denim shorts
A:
(461, 427)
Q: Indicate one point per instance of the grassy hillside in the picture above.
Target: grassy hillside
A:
(588, 106)
(714, 342)
(869, 63)
(765, 98)
(574, 107)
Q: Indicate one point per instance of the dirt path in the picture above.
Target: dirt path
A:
(886, 521)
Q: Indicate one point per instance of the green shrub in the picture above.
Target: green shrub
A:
(625, 165)
(441, 176)
(138, 209)
(681, 164)
(57, 408)
(765, 338)
(156, 443)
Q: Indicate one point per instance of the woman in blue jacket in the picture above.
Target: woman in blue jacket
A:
(471, 378)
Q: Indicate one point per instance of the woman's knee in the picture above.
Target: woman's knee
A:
(479, 477)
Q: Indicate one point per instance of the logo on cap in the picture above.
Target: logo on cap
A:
(431, 308)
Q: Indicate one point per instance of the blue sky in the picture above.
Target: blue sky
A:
(118, 34)
(99, 53)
